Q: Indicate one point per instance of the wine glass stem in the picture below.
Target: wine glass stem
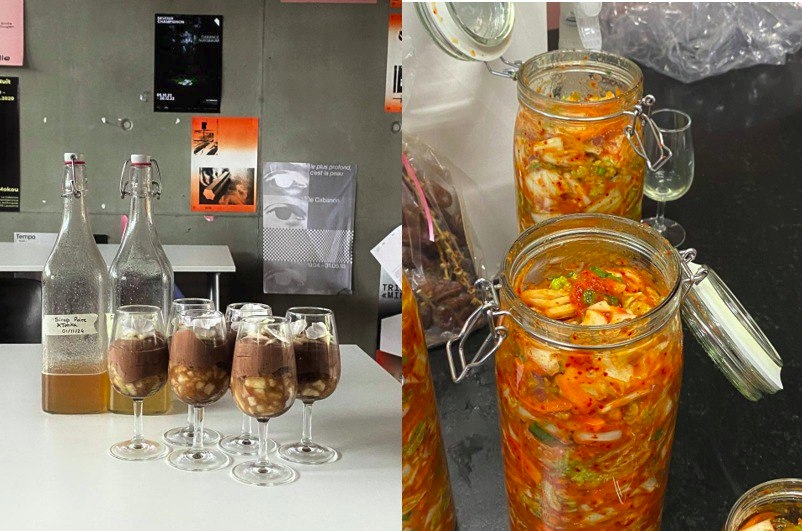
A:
(660, 217)
(197, 439)
(137, 421)
(263, 460)
(190, 420)
(306, 434)
(246, 425)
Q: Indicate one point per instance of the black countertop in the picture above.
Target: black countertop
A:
(743, 215)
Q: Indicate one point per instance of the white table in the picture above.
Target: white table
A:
(209, 259)
(57, 474)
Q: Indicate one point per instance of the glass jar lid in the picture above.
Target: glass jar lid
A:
(731, 337)
(470, 31)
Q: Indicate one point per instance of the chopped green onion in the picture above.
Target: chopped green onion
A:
(612, 300)
(601, 273)
(600, 171)
(589, 297)
(542, 435)
(558, 283)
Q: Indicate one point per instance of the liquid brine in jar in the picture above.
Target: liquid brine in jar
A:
(571, 152)
(589, 376)
(426, 499)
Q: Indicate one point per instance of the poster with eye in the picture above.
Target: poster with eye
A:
(188, 65)
(308, 227)
(223, 164)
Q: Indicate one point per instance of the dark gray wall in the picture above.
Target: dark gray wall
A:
(313, 73)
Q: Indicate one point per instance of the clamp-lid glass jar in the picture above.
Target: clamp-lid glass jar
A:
(586, 329)
(773, 505)
(426, 495)
(577, 136)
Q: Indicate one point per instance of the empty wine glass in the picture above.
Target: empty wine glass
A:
(199, 373)
(263, 383)
(317, 361)
(245, 443)
(137, 360)
(674, 178)
(182, 435)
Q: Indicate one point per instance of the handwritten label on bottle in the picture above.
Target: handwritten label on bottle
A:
(79, 324)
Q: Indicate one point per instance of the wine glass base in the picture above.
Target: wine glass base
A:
(143, 450)
(311, 454)
(244, 444)
(264, 474)
(671, 230)
(184, 435)
(198, 460)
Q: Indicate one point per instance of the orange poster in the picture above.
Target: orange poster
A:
(224, 153)
(392, 95)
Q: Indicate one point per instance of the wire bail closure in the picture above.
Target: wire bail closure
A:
(69, 185)
(509, 73)
(490, 310)
(689, 278)
(631, 133)
(493, 315)
(156, 183)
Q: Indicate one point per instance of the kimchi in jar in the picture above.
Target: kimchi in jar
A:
(589, 374)
(571, 151)
(426, 499)
(775, 505)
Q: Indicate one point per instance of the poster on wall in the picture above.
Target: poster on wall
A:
(9, 147)
(12, 36)
(188, 66)
(308, 227)
(392, 91)
(223, 164)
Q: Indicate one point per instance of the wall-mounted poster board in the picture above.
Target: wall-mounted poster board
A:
(223, 167)
(188, 67)
(9, 147)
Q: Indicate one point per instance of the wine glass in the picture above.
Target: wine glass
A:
(674, 178)
(199, 373)
(245, 443)
(137, 360)
(317, 359)
(264, 385)
(182, 436)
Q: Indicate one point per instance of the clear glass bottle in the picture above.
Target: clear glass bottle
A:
(75, 293)
(141, 273)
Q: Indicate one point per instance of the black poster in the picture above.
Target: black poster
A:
(188, 72)
(9, 146)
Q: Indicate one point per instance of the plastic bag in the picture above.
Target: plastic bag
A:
(692, 41)
(437, 257)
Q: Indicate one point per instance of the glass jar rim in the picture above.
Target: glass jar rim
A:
(775, 490)
(615, 66)
(614, 229)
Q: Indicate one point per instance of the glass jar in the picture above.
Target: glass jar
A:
(587, 411)
(426, 499)
(587, 415)
(779, 498)
(573, 148)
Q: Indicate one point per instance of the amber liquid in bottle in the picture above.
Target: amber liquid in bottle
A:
(152, 405)
(75, 393)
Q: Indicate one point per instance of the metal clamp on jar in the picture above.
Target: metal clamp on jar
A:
(590, 407)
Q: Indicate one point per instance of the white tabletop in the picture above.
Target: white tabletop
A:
(27, 257)
(57, 474)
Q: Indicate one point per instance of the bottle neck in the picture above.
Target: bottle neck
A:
(74, 189)
(141, 192)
